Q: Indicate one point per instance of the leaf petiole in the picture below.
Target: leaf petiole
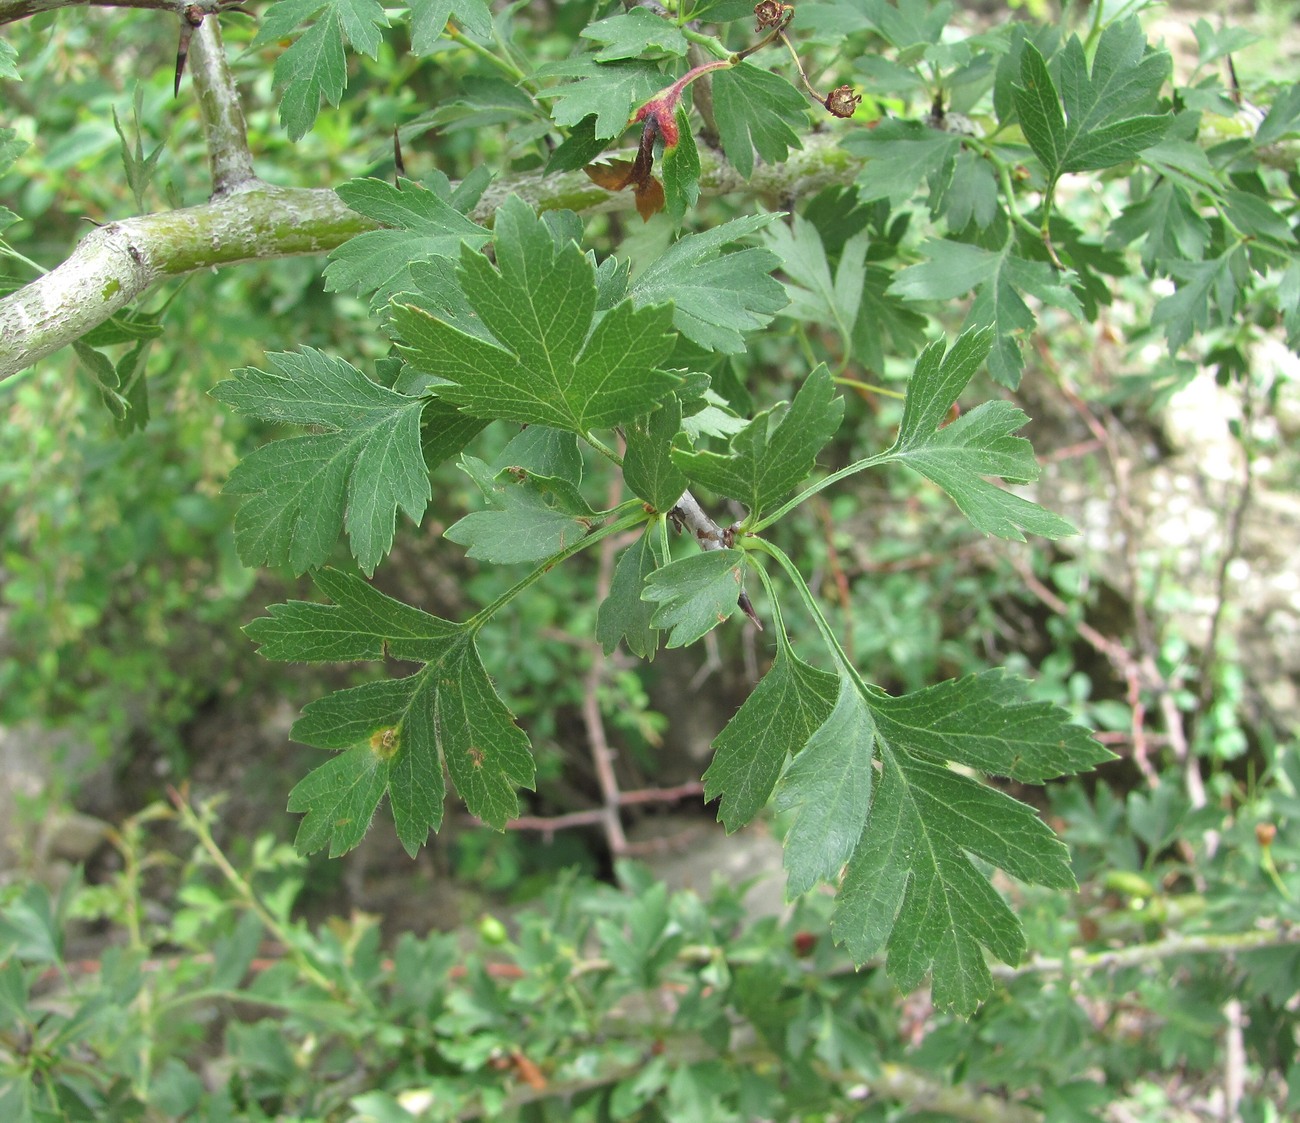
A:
(636, 514)
(813, 489)
(867, 387)
(810, 603)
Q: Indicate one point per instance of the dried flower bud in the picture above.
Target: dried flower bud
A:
(769, 13)
(1265, 833)
(842, 101)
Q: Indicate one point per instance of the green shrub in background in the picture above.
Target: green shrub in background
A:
(726, 370)
(631, 1002)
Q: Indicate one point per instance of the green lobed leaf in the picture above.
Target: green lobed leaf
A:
(1106, 119)
(362, 623)
(911, 891)
(1000, 277)
(548, 365)
(421, 225)
(815, 296)
(790, 702)
(338, 800)
(905, 25)
(315, 66)
(757, 111)
(1205, 287)
(648, 467)
(718, 297)
(774, 452)
(354, 475)
(1168, 224)
(909, 888)
(623, 614)
(530, 517)
(681, 167)
(983, 721)
(634, 34)
(957, 457)
(827, 790)
(695, 594)
(900, 154)
(1215, 43)
(396, 736)
(429, 18)
(609, 90)
(970, 196)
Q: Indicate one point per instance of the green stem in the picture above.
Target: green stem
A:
(814, 609)
(1209, 943)
(1045, 231)
(782, 638)
(820, 485)
(1269, 867)
(870, 387)
(627, 522)
(8, 251)
(708, 42)
(504, 65)
(195, 824)
(603, 449)
(1009, 192)
(1094, 29)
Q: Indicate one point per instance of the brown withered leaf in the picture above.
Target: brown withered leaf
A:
(649, 198)
(613, 176)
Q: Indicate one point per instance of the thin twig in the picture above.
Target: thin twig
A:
(1234, 1060)
(602, 756)
(1231, 548)
(1130, 671)
(1135, 955)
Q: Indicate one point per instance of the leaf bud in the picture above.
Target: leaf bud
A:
(1265, 833)
(842, 101)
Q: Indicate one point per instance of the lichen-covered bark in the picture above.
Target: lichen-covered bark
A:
(117, 263)
(13, 10)
(254, 221)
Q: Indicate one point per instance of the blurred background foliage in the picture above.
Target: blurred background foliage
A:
(121, 603)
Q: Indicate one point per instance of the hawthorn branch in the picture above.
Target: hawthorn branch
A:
(224, 127)
(11, 11)
(120, 262)
(1209, 943)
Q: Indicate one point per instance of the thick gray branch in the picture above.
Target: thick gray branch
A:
(223, 114)
(119, 262)
(13, 10)
(256, 222)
